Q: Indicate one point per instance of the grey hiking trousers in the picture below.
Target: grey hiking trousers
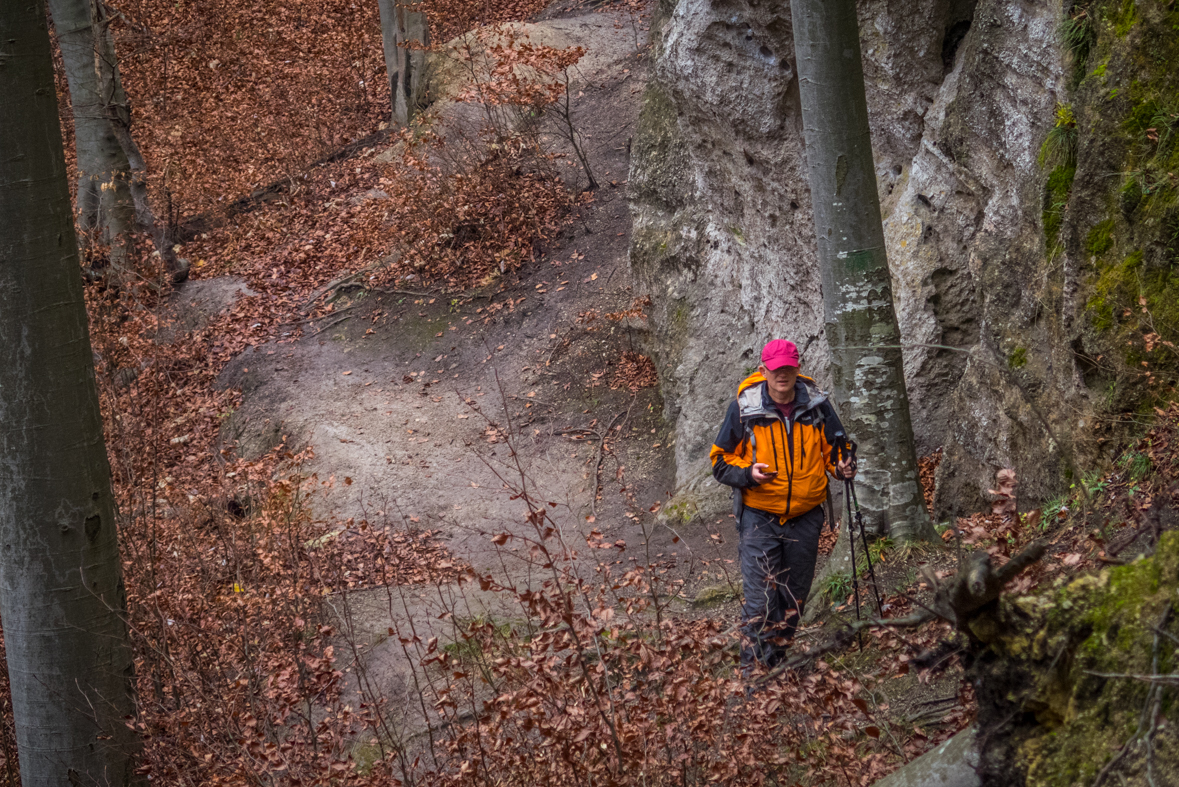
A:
(777, 569)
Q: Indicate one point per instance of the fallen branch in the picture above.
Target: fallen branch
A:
(940, 700)
(843, 637)
(577, 432)
(414, 293)
(333, 323)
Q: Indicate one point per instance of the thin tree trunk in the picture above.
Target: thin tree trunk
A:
(145, 217)
(402, 26)
(112, 174)
(104, 201)
(61, 591)
(388, 9)
(861, 324)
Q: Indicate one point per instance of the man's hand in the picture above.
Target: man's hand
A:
(845, 469)
(762, 473)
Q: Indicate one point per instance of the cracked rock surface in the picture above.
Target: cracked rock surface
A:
(960, 98)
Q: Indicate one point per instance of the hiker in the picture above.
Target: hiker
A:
(775, 450)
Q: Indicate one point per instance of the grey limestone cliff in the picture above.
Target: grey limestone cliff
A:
(961, 97)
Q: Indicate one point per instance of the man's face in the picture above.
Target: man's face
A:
(781, 380)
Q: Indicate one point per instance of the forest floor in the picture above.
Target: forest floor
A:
(411, 393)
(427, 409)
(432, 410)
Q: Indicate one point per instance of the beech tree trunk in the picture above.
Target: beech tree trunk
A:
(105, 208)
(112, 175)
(861, 325)
(61, 590)
(401, 25)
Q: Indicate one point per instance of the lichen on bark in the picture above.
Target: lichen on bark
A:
(861, 325)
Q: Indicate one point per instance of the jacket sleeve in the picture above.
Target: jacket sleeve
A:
(832, 435)
(727, 466)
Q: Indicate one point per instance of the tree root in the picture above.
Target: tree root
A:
(978, 583)
(343, 281)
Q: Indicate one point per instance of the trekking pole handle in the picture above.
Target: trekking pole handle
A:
(844, 449)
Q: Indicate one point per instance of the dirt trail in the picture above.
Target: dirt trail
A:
(408, 398)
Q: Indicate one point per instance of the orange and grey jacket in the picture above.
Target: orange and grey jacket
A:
(799, 449)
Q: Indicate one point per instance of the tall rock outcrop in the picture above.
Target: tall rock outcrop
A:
(961, 97)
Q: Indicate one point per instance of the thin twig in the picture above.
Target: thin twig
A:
(939, 700)
(1171, 678)
(395, 291)
(561, 342)
(900, 750)
(928, 715)
(1167, 634)
(913, 600)
(343, 281)
(1156, 706)
(530, 401)
(598, 463)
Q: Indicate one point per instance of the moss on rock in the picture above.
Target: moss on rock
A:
(717, 594)
(1056, 192)
(1057, 692)
(658, 175)
(1124, 229)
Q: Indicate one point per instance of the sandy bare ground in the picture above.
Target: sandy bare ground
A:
(431, 410)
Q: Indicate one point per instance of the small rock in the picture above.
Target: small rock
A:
(951, 764)
(371, 194)
(717, 594)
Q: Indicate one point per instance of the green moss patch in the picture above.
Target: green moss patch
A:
(1018, 358)
(717, 594)
(1123, 16)
(1056, 193)
(1073, 646)
(1100, 238)
(1115, 204)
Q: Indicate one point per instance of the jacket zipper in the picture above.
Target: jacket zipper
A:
(789, 467)
(774, 443)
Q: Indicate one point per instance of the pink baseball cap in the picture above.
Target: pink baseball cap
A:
(779, 353)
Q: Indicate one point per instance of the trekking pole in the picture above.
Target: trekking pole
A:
(851, 535)
(848, 448)
(850, 491)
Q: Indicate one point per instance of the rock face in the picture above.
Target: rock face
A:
(953, 764)
(720, 202)
(960, 98)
